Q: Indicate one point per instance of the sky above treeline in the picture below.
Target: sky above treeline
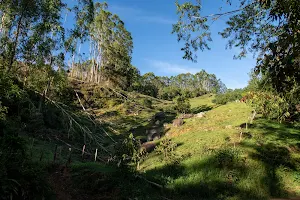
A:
(157, 50)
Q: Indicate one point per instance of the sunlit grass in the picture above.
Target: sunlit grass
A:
(269, 150)
(202, 100)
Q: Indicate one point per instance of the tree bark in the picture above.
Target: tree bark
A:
(13, 53)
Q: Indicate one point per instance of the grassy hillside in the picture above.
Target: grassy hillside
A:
(205, 100)
(217, 162)
(212, 160)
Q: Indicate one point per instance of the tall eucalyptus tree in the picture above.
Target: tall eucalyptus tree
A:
(111, 47)
(31, 31)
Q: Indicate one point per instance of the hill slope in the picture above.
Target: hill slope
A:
(213, 160)
(218, 162)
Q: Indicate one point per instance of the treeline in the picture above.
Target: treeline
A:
(188, 85)
(261, 95)
(163, 87)
(229, 96)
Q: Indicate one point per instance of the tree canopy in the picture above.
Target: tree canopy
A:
(267, 28)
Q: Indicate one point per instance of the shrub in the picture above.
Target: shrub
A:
(182, 105)
(166, 148)
(169, 109)
(129, 153)
(269, 105)
(147, 103)
(227, 157)
(169, 93)
(229, 96)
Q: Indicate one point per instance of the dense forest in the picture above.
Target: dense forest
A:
(89, 121)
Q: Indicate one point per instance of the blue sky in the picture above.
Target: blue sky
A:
(157, 50)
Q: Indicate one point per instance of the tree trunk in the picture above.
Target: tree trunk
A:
(13, 53)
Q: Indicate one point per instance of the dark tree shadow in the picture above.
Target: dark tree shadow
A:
(284, 134)
(210, 186)
(202, 108)
(273, 157)
(275, 153)
(141, 131)
(280, 141)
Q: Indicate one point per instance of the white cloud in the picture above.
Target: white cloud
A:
(169, 68)
(141, 15)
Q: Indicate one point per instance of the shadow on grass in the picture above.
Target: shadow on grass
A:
(285, 134)
(205, 179)
(202, 108)
(272, 158)
(210, 178)
(140, 131)
(273, 149)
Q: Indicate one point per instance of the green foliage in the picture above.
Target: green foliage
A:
(269, 29)
(32, 31)
(182, 105)
(169, 93)
(19, 177)
(3, 111)
(229, 96)
(110, 46)
(166, 148)
(129, 153)
(188, 85)
(269, 105)
(147, 103)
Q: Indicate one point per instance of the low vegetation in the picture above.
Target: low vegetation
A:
(224, 160)
(76, 126)
(229, 96)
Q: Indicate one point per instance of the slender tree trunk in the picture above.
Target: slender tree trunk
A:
(43, 98)
(13, 53)
(50, 79)
(2, 22)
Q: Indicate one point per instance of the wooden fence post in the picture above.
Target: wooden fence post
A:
(83, 148)
(241, 134)
(96, 155)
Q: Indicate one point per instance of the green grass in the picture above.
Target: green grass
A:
(267, 165)
(214, 162)
(267, 154)
(203, 100)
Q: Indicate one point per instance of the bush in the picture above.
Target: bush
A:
(169, 93)
(228, 157)
(166, 148)
(182, 105)
(147, 103)
(228, 96)
(269, 105)
(129, 153)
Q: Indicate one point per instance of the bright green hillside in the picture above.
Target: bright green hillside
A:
(217, 163)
